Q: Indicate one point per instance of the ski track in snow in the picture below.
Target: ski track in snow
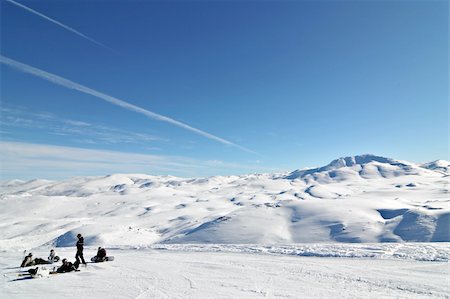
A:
(148, 273)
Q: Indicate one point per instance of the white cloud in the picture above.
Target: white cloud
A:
(77, 123)
(28, 160)
(75, 130)
(112, 100)
(59, 24)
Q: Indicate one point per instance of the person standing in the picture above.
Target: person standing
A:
(80, 244)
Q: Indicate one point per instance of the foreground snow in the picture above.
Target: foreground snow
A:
(184, 273)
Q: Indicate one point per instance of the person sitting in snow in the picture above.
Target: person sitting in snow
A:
(39, 272)
(101, 255)
(52, 258)
(38, 261)
(68, 266)
(28, 261)
(33, 271)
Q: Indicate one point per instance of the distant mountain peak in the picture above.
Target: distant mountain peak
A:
(438, 165)
(360, 159)
(358, 162)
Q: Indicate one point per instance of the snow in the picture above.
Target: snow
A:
(363, 226)
(354, 199)
(439, 165)
(434, 252)
(215, 271)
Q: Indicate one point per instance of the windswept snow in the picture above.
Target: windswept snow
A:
(354, 199)
(433, 252)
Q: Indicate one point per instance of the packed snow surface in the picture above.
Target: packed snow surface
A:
(220, 271)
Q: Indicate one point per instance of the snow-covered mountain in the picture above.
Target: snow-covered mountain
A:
(365, 167)
(364, 198)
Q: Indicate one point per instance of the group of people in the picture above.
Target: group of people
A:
(29, 261)
(66, 265)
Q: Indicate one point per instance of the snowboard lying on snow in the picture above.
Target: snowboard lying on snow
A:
(107, 259)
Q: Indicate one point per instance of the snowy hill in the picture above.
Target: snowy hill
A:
(363, 166)
(438, 165)
(364, 198)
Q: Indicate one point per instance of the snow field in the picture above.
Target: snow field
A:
(150, 273)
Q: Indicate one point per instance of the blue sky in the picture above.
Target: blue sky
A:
(298, 82)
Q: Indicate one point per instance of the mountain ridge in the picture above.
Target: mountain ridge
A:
(347, 161)
(364, 198)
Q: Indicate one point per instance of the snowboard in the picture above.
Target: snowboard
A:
(107, 259)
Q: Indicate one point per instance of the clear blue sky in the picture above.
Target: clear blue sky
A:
(298, 82)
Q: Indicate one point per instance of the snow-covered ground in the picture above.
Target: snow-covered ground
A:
(186, 272)
(355, 199)
(258, 235)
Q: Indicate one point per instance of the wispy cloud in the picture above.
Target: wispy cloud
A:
(59, 24)
(77, 123)
(110, 99)
(75, 130)
(29, 160)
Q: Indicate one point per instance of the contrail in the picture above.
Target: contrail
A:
(60, 24)
(73, 85)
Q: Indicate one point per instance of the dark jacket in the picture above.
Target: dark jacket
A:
(101, 253)
(80, 243)
(67, 267)
(39, 261)
(27, 261)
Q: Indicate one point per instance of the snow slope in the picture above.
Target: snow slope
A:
(364, 198)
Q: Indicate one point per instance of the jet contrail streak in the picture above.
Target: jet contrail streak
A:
(73, 85)
(59, 24)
